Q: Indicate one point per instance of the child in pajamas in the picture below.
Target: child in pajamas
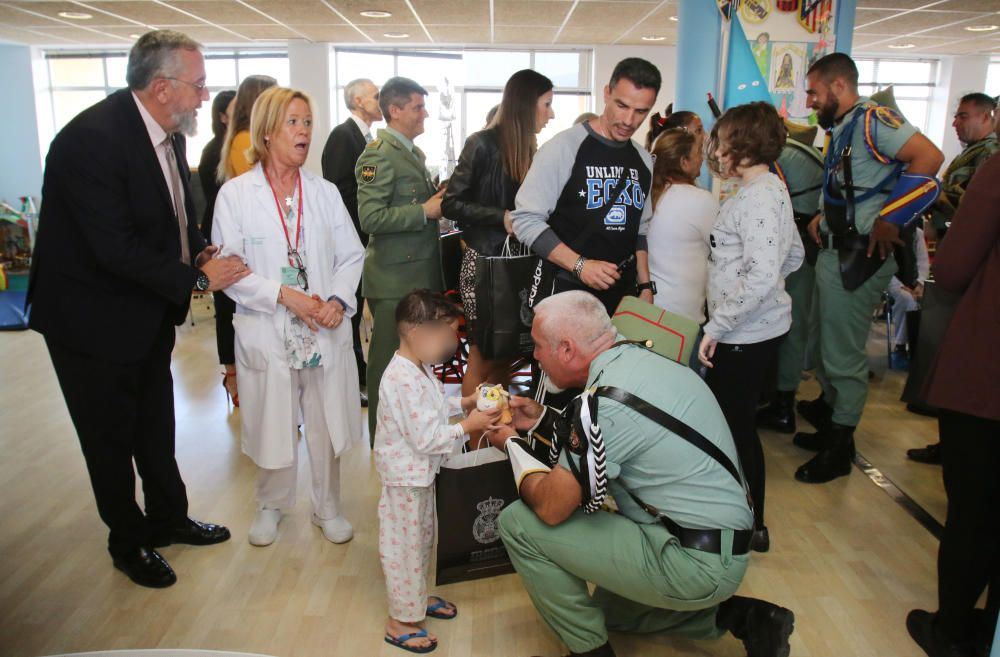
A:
(412, 438)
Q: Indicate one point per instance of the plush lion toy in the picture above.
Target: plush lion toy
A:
(494, 397)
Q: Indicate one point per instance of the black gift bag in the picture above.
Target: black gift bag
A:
(472, 489)
(503, 317)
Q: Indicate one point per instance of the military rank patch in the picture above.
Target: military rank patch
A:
(368, 173)
(888, 116)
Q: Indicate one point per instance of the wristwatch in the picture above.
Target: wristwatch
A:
(649, 285)
(202, 283)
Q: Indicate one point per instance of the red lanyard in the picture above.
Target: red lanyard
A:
(281, 217)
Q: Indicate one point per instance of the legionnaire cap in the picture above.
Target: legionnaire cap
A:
(909, 198)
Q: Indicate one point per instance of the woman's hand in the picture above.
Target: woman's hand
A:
(706, 350)
(329, 314)
(647, 296)
(508, 223)
(301, 305)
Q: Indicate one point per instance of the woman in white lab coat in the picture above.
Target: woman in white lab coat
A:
(294, 352)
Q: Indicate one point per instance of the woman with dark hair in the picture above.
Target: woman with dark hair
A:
(207, 167)
(683, 120)
(481, 195)
(754, 246)
(232, 162)
(683, 217)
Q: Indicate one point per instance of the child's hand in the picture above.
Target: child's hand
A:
(480, 420)
(469, 402)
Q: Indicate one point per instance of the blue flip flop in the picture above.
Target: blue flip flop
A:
(400, 642)
(433, 612)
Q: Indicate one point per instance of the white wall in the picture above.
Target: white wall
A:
(20, 163)
(665, 59)
(957, 76)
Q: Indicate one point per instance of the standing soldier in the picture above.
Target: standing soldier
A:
(801, 168)
(877, 179)
(399, 208)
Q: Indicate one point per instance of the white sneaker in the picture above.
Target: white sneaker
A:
(264, 529)
(336, 530)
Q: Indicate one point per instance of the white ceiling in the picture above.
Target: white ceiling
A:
(932, 27)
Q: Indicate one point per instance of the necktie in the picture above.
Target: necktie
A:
(175, 193)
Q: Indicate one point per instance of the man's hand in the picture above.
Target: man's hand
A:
(813, 229)
(499, 435)
(432, 206)
(329, 314)
(223, 272)
(599, 275)
(886, 236)
(526, 412)
(207, 254)
(706, 350)
(301, 305)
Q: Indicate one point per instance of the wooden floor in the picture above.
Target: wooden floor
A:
(845, 557)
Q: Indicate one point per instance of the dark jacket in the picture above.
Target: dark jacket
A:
(107, 270)
(965, 376)
(479, 191)
(207, 170)
(340, 155)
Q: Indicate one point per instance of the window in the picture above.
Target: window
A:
(993, 78)
(78, 80)
(463, 86)
(912, 83)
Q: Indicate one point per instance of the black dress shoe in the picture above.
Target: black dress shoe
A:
(146, 567)
(761, 541)
(764, 628)
(809, 441)
(364, 400)
(816, 412)
(930, 455)
(193, 532)
(920, 408)
(779, 415)
(833, 461)
(920, 624)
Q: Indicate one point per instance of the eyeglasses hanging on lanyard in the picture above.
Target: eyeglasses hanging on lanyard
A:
(294, 257)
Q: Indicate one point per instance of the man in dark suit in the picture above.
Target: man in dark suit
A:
(340, 154)
(117, 257)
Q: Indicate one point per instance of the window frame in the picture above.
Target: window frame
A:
(899, 88)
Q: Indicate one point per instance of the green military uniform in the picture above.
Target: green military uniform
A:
(403, 252)
(956, 179)
(646, 581)
(802, 169)
(845, 315)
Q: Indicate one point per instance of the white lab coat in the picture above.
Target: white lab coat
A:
(246, 224)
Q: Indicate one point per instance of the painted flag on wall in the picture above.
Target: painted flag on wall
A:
(744, 83)
(786, 6)
(813, 13)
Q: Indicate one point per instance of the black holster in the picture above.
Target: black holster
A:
(855, 265)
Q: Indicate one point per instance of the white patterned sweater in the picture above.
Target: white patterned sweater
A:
(754, 246)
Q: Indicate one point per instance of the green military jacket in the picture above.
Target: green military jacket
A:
(957, 176)
(404, 251)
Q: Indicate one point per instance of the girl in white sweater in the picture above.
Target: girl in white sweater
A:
(754, 246)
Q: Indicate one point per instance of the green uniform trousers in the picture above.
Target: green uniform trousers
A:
(646, 582)
(845, 319)
(792, 353)
(385, 342)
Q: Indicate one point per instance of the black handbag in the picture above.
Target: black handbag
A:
(503, 326)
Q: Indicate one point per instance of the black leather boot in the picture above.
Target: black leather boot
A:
(763, 627)
(922, 628)
(779, 415)
(601, 651)
(834, 459)
(930, 454)
(816, 412)
(816, 441)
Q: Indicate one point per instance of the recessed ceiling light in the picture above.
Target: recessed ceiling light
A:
(396, 35)
(674, 18)
(653, 37)
(376, 13)
(980, 28)
(901, 46)
(75, 15)
(134, 36)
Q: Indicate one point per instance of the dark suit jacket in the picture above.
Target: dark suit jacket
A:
(107, 268)
(343, 147)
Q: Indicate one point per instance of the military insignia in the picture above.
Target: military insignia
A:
(888, 116)
(368, 173)
(574, 441)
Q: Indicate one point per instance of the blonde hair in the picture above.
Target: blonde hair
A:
(268, 113)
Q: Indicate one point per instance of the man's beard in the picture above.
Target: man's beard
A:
(187, 123)
(827, 114)
(550, 386)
